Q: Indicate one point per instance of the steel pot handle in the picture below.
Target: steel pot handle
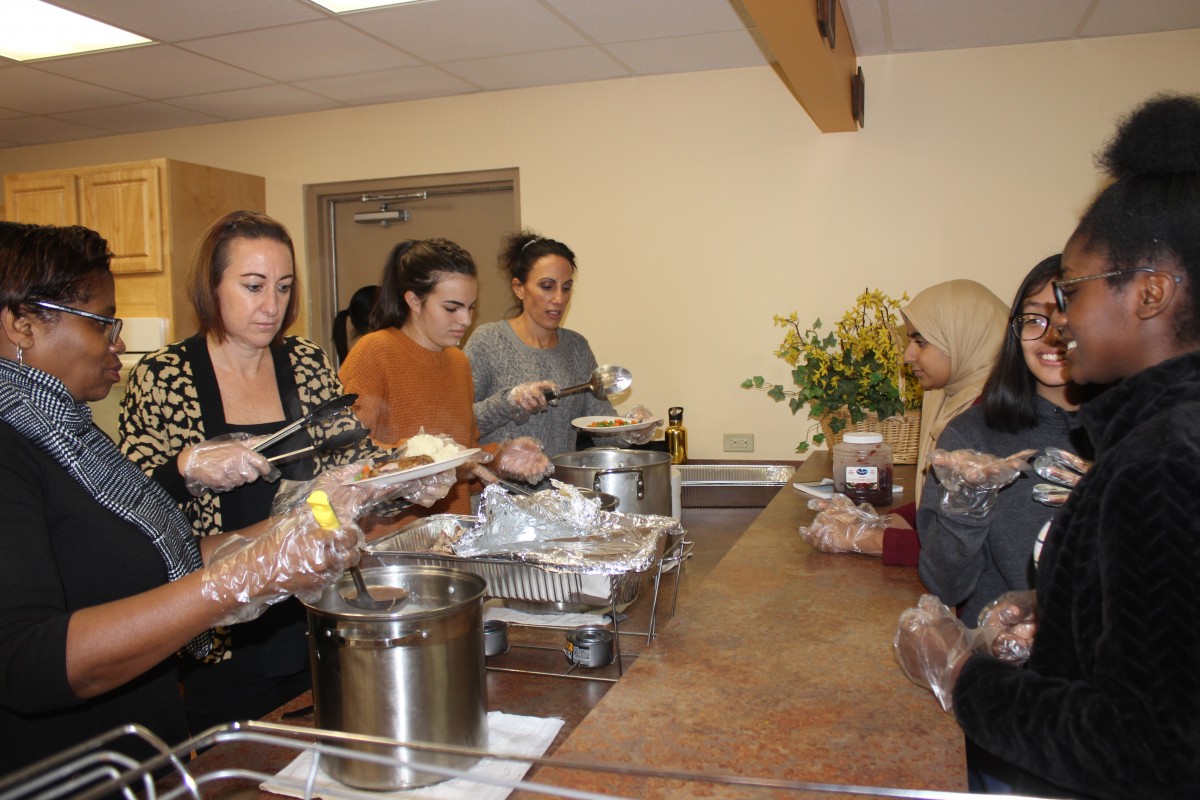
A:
(353, 641)
(641, 483)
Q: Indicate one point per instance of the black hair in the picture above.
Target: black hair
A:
(356, 313)
(51, 263)
(1010, 394)
(1151, 211)
(521, 250)
(416, 266)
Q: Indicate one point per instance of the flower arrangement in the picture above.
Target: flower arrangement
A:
(852, 372)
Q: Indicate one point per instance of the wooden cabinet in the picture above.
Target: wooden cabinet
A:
(152, 213)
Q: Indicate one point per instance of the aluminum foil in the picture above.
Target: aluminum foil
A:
(561, 531)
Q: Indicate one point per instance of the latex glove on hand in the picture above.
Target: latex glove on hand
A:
(223, 463)
(296, 557)
(1065, 469)
(931, 646)
(641, 414)
(970, 481)
(842, 527)
(530, 398)
(1014, 617)
(523, 458)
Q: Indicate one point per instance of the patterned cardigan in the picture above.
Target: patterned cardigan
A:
(161, 414)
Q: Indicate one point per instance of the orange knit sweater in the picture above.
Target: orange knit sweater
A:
(403, 387)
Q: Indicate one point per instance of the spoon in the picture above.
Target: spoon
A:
(606, 380)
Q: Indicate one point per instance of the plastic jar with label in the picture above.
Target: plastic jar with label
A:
(862, 468)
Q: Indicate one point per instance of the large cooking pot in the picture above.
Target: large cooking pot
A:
(415, 672)
(640, 479)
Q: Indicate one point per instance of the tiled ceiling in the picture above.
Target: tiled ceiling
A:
(218, 60)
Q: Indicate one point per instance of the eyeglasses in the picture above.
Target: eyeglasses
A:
(1060, 297)
(1030, 327)
(116, 323)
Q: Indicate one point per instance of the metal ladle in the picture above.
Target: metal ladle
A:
(364, 600)
(606, 380)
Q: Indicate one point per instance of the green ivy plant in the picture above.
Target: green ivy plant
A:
(857, 367)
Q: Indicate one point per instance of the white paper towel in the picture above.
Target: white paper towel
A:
(508, 734)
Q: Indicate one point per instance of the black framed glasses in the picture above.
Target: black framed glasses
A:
(1029, 327)
(114, 332)
(1060, 297)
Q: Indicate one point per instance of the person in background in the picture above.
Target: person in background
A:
(515, 361)
(954, 330)
(1106, 705)
(358, 315)
(240, 376)
(102, 581)
(410, 375)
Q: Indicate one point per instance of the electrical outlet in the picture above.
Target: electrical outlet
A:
(739, 442)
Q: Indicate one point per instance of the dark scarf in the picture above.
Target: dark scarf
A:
(39, 407)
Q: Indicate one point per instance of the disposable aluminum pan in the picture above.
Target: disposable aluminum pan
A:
(731, 485)
(506, 579)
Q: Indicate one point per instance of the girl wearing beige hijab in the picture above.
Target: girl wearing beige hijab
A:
(955, 330)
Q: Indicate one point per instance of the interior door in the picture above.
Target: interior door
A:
(476, 210)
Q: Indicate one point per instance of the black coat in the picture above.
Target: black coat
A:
(1109, 703)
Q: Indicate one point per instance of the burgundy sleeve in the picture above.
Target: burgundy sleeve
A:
(902, 546)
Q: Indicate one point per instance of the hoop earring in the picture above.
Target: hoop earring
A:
(20, 357)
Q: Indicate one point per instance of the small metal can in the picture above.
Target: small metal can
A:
(495, 637)
(590, 646)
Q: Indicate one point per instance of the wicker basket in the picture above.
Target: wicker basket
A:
(902, 433)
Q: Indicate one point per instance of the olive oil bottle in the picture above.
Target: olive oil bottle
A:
(676, 435)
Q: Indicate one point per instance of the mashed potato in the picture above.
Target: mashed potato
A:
(425, 445)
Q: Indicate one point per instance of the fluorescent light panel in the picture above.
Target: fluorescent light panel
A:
(342, 6)
(33, 29)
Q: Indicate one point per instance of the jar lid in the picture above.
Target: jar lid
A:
(862, 438)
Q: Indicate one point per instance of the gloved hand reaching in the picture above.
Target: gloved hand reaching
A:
(971, 481)
(931, 646)
(529, 398)
(223, 463)
(523, 458)
(295, 557)
(1065, 469)
(351, 498)
(1014, 617)
(641, 414)
(842, 527)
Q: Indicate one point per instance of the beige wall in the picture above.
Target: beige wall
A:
(702, 204)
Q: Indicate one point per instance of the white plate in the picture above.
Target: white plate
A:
(419, 472)
(588, 424)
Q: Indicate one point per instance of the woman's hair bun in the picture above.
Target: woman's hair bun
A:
(1161, 136)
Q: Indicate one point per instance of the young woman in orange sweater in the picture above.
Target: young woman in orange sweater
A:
(409, 373)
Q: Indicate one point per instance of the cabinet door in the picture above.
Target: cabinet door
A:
(42, 199)
(124, 206)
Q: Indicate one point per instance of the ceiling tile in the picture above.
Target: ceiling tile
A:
(302, 52)
(35, 92)
(175, 20)
(36, 130)
(1115, 17)
(868, 31)
(155, 72)
(138, 117)
(457, 30)
(538, 69)
(689, 53)
(949, 24)
(265, 101)
(389, 86)
(630, 20)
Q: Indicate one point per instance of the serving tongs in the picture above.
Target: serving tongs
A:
(323, 411)
(343, 439)
(606, 380)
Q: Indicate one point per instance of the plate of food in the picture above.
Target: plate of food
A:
(613, 424)
(409, 468)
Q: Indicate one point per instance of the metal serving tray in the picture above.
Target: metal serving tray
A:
(731, 485)
(507, 580)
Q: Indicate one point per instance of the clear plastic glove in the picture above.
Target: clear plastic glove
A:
(641, 414)
(971, 481)
(524, 459)
(223, 463)
(1064, 469)
(931, 646)
(1014, 617)
(843, 527)
(351, 498)
(530, 398)
(296, 557)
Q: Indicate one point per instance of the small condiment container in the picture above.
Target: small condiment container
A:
(862, 468)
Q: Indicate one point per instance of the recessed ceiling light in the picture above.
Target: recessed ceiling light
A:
(342, 6)
(33, 29)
